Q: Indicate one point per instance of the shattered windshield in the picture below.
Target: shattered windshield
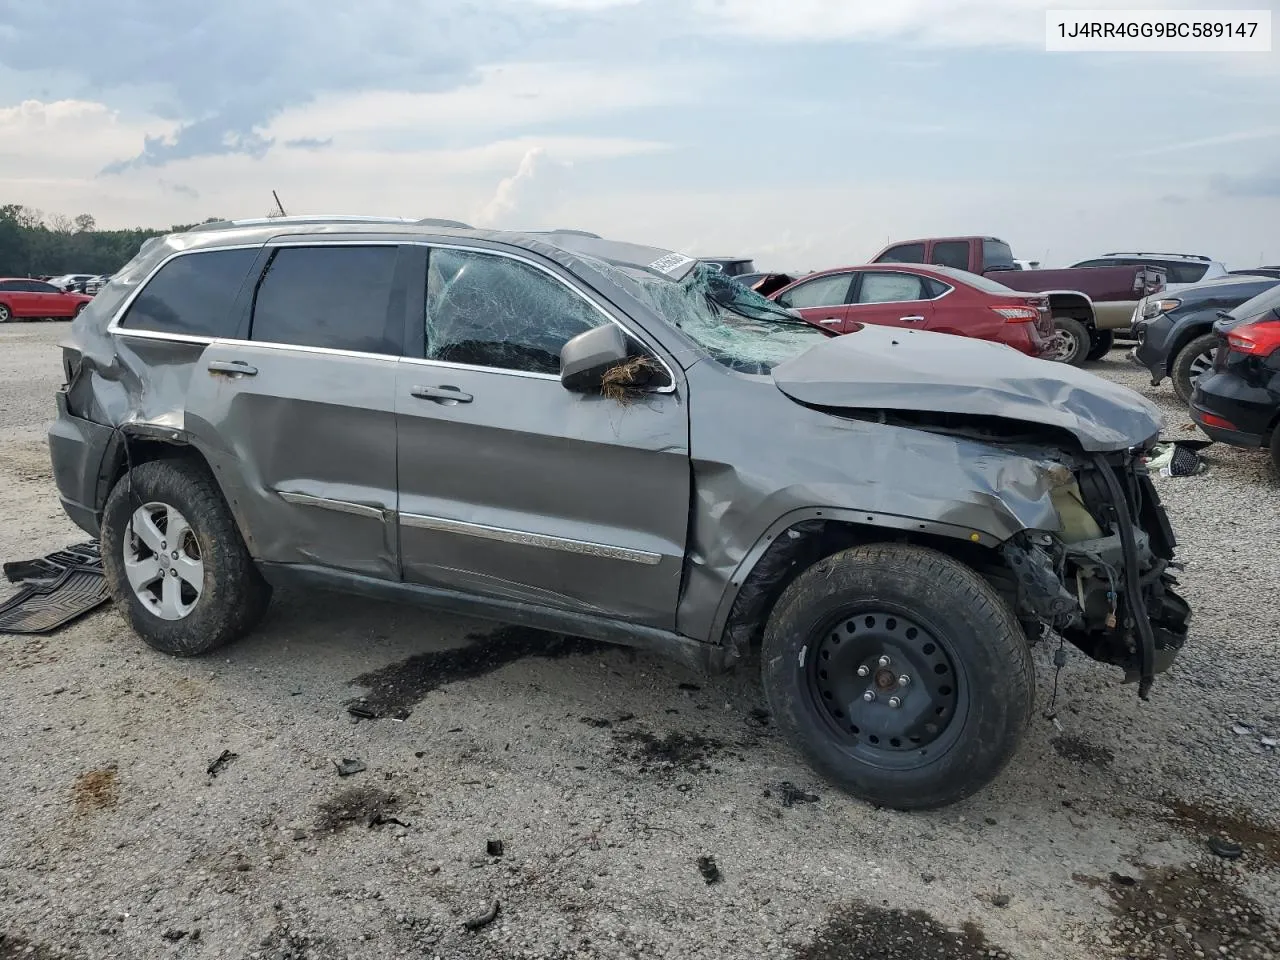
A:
(735, 325)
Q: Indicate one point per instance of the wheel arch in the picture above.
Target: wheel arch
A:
(1189, 331)
(138, 443)
(804, 537)
(1074, 303)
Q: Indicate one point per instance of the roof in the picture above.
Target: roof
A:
(1199, 258)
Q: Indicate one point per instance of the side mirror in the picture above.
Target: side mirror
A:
(586, 358)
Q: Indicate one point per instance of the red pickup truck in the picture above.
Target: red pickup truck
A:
(1089, 304)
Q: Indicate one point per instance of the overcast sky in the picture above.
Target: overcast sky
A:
(805, 133)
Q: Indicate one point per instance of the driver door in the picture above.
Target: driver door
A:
(513, 487)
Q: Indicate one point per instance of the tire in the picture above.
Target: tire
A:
(1077, 343)
(1103, 341)
(79, 309)
(1187, 365)
(936, 620)
(1275, 447)
(5, 313)
(180, 620)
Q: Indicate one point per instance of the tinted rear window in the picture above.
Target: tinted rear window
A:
(951, 253)
(192, 294)
(335, 297)
(996, 253)
(903, 253)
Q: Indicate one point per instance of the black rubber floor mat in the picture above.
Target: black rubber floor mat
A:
(50, 568)
(42, 607)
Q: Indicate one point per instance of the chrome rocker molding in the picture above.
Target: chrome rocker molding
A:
(504, 535)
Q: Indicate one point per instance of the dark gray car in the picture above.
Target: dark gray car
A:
(614, 441)
(1175, 330)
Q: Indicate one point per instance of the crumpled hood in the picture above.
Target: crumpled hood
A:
(886, 368)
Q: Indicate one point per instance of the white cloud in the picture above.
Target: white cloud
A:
(523, 199)
(520, 95)
(945, 23)
(67, 138)
(1181, 146)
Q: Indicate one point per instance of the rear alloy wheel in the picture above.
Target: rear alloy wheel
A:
(1103, 341)
(5, 314)
(174, 560)
(1074, 342)
(1192, 362)
(901, 674)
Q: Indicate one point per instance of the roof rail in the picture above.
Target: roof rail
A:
(316, 218)
(438, 222)
(1151, 253)
(568, 232)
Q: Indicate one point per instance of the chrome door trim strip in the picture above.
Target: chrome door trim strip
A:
(338, 506)
(524, 538)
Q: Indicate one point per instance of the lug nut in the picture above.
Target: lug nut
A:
(895, 702)
(903, 680)
(864, 671)
(869, 696)
(163, 545)
(175, 554)
(884, 661)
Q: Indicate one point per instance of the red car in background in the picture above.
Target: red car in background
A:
(934, 298)
(22, 298)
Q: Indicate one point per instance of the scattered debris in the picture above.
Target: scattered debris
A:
(1000, 900)
(689, 686)
(352, 805)
(710, 872)
(989, 821)
(347, 767)
(483, 919)
(859, 930)
(494, 848)
(362, 711)
(666, 755)
(1257, 839)
(395, 688)
(96, 790)
(218, 765)
(791, 794)
(382, 820)
(625, 382)
(1178, 458)
(598, 722)
(1227, 849)
(1187, 911)
(1122, 880)
(173, 936)
(57, 589)
(759, 715)
(1241, 729)
(1080, 750)
(927, 878)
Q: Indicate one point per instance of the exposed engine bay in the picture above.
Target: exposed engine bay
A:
(1105, 580)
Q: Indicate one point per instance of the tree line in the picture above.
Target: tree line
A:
(33, 244)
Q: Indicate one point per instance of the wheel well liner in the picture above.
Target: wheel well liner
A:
(807, 541)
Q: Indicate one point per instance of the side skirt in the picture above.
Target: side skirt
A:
(694, 654)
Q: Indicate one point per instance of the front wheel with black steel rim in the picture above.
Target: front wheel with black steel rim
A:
(1192, 362)
(900, 673)
(175, 562)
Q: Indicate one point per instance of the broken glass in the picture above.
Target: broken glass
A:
(732, 323)
(491, 311)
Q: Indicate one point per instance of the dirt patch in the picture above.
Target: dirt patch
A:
(96, 790)
(355, 807)
(18, 948)
(395, 688)
(863, 932)
(1078, 750)
(1260, 842)
(667, 755)
(1181, 913)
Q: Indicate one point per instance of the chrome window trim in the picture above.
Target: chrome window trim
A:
(609, 317)
(821, 306)
(294, 241)
(338, 506)
(524, 538)
(907, 273)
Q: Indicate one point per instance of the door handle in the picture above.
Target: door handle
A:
(443, 394)
(910, 319)
(830, 320)
(234, 367)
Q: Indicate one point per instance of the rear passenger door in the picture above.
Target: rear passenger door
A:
(298, 412)
(891, 298)
(823, 301)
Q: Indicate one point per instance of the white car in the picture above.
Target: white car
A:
(1183, 269)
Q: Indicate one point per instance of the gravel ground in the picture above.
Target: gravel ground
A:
(607, 775)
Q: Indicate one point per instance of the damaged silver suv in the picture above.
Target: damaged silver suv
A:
(614, 441)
